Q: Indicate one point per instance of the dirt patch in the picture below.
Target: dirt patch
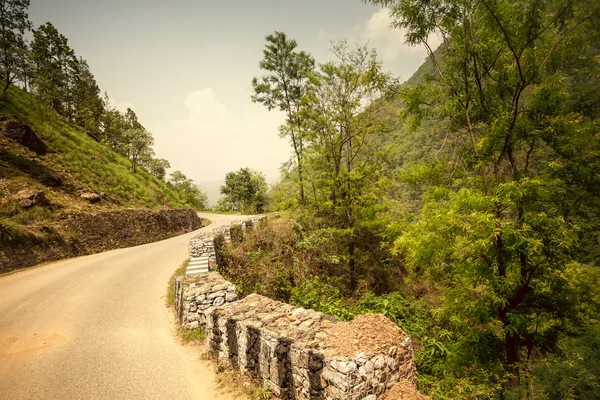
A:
(16, 346)
(369, 333)
(15, 351)
(404, 390)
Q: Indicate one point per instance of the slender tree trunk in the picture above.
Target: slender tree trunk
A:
(352, 265)
(6, 86)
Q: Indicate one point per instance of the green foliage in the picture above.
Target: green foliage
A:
(193, 335)
(283, 88)
(14, 23)
(188, 190)
(244, 191)
(321, 296)
(237, 234)
(81, 159)
(171, 284)
(473, 192)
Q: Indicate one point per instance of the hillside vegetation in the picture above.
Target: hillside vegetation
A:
(64, 147)
(464, 203)
(63, 167)
(83, 164)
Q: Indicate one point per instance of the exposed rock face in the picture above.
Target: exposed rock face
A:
(91, 197)
(94, 233)
(30, 198)
(23, 134)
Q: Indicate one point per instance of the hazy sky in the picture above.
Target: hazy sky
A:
(186, 67)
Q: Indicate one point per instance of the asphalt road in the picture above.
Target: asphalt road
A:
(97, 327)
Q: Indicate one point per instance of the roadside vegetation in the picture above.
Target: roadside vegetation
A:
(170, 285)
(463, 203)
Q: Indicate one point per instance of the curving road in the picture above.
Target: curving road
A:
(96, 327)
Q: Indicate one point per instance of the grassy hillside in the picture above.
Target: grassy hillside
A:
(75, 163)
(83, 164)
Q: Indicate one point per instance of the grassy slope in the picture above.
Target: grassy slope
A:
(83, 164)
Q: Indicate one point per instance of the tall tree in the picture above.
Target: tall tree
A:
(139, 146)
(283, 87)
(341, 115)
(88, 106)
(14, 23)
(54, 61)
(157, 167)
(188, 190)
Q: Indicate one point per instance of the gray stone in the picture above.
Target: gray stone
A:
(214, 295)
(91, 197)
(230, 296)
(219, 301)
(30, 198)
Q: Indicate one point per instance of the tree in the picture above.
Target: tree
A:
(88, 106)
(14, 23)
(283, 88)
(53, 60)
(139, 144)
(341, 117)
(246, 190)
(112, 126)
(157, 167)
(508, 87)
(188, 190)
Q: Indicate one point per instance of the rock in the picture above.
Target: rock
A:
(193, 325)
(366, 369)
(29, 198)
(23, 135)
(219, 301)
(91, 197)
(229, 297)
(50, 178)
(214, 295)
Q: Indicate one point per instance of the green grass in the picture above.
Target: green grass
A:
(171, 288)
(193, 335)
(79, 159)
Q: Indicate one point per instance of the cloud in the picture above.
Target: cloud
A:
(390, 43)
(120, 105)
(206, 115)
(212, 140)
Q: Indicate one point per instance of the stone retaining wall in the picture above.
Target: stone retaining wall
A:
(296, 353)
(195, 295)
(84, 233)
(203, 248)
(290, 349)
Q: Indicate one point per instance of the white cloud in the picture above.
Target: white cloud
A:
(212, 140)
(390, 43)
(206, 115)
